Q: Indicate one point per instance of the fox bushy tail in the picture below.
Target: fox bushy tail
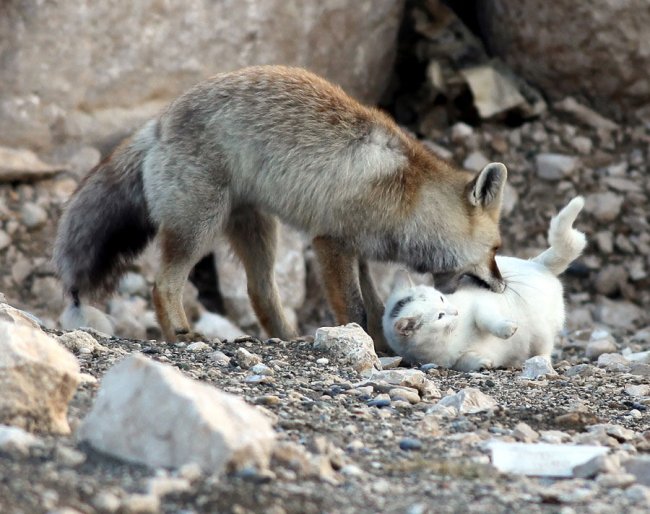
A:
(566, 242)
(106, 223)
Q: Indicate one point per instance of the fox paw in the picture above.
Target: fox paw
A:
(190, 337)
(506, 329)
(472, 361)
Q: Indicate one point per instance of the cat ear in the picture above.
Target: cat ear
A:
(487, 188)
(402, 280)
(406, 327)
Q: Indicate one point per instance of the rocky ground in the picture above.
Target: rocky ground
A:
(346, 443)
(349, 444)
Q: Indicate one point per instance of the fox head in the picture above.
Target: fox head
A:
(459, 227)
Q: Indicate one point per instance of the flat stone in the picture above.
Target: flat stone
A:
(23, 165)
(413, 378)
(637, 390)
(198, 346)
(541, 459)
(390, 362)
(605, 206)
(150, 413)
(465, 401)
(596, 348)
(246, 359)
(524, 433)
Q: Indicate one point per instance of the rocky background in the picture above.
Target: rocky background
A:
(558, 91)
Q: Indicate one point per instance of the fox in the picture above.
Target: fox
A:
(243, 150)
(474, 328)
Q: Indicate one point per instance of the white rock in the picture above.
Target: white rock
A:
(639, 390)
(552, 166)
(127, 316)
(465, 401)
(536, 367)
(524, 433)
(213, 325)
(638, 493)
(22, 164)
(133, 284)
(5, 240)
(261, 369)
(33, 215)
(150, 413)
(605, 206)
(78, 340)
(350, 345)
(246, 359)
(541, 459)
(475, 161)
(17, 440)
(390, 362)
(493, 92)
(106, 502)
(597, 465)
(198, 346)
(413, 378)
(162, 486)
(219, 358)
(37, 376)
(86, 316)
(460, 131)
(643, 357)
(606, 360)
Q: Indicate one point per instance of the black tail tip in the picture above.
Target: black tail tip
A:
(74, 293)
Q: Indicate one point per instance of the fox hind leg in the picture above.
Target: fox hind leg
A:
(253, 237)
(180, 251)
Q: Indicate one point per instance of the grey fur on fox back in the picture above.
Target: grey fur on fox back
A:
(242, 148)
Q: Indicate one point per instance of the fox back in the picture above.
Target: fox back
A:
(238, 151)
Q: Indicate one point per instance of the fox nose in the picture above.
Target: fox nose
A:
(497, 286)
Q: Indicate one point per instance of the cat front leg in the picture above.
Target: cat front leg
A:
(473, 361)
(489, 319)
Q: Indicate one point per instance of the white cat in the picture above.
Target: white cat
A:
(475, 328)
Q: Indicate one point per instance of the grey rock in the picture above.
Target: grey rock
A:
(538, 40)
(350, 345)
(605, 207)
(524, 433)
(596, 348)
(32, 215)
(37, 376)
(246, 359)
(619, 314)
(15, 440)
(597, 465)
(413, 378)
(640, 468)
(198, 346)
(536, 367)
(22, 164)
(213, 325)
(493, 91)
(475, 161)
(139, 399)
(465, 401)
(551, 166)
(390, 362)
(91, 93)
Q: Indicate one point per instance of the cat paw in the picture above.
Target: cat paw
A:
(472, 361)
(506, 329)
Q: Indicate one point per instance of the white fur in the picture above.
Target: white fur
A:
(491, 329)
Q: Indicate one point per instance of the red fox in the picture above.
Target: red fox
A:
(242, 149)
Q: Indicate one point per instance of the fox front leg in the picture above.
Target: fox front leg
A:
(340, 274)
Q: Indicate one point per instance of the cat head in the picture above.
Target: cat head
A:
(412, 309)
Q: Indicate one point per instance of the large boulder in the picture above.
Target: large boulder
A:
(38, 376)
(150, 413)
(599, 50)
(87, 69)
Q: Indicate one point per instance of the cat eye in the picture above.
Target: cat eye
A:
(441, 315)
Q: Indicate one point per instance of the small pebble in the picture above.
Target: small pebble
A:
(322, 361)
(410, 444)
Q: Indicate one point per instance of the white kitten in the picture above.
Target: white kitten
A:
(475, 328)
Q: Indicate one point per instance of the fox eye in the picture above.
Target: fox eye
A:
(441, 315)
(442, 299)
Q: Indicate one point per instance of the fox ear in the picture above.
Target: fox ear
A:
(487, 188)
(402, 280)
(406, 327)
